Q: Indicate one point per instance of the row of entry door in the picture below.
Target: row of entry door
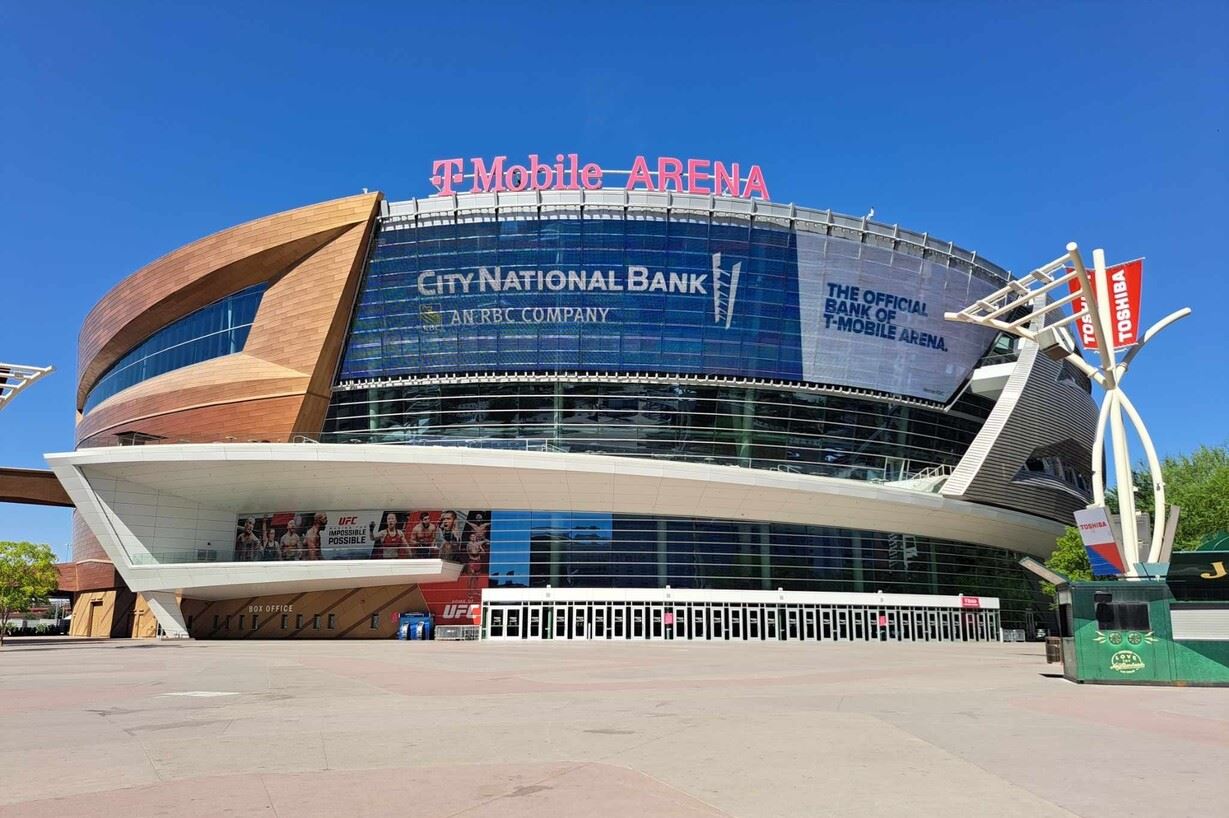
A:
(735, 621)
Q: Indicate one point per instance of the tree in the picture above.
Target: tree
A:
(27, 576)
(1198, 483)
(1069, 559)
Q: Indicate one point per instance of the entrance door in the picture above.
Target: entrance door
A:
(561, 621)
(618, 621)
(495, 629)
(771, 629)
(513, 623)
(859, 623)
(792, 627)
(656, 626)
(718, 630)
(599, 621)
(753, 622)
(638, 629)
(534, 630)
(736, 614)
(697, 622)
(579, 629)
(808, 623)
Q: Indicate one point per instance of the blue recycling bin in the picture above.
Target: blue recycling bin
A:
(415, 626)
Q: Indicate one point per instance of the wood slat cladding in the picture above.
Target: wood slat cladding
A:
(305, 615)
(312, 259)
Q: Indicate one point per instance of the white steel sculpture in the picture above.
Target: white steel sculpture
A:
(16, 377)
(1020, 309)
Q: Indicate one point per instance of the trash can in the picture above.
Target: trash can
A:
(415, 626)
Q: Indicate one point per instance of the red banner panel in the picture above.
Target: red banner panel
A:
(1126, 288)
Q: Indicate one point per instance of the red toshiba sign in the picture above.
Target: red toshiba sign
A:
(1125, 286)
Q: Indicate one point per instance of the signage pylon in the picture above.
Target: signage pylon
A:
(16, 377)
(1024, 308)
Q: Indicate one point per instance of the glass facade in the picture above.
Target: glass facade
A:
(796, 431)
(705, 296)
(550, 332)
(585, 550)
(211, 332)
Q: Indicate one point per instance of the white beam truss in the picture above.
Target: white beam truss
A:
(16, 377)
(1022, 308)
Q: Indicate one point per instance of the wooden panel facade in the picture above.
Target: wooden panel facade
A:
(103, 613)
(311, 260)
(358, 613)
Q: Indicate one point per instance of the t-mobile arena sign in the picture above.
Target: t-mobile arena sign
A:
(702, 176)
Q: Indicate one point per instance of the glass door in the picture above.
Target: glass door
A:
(495, 629)
(579, 629)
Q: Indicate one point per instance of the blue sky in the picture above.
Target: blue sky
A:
(132, 128)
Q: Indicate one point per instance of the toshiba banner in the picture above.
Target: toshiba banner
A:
(1104, 553)
(1125, 285)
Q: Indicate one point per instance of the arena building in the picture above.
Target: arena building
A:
(581, 411)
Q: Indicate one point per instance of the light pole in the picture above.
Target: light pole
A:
(16, 377)
(1023, 307)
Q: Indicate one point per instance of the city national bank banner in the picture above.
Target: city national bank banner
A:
(623, 295)
(454, 535)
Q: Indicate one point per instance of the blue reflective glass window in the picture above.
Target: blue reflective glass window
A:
(219, 329)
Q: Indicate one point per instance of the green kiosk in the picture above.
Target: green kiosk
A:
(1172, 629)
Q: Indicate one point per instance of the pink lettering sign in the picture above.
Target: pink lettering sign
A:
(567, 172)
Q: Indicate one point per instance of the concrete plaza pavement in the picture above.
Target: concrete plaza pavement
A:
(139, 728)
